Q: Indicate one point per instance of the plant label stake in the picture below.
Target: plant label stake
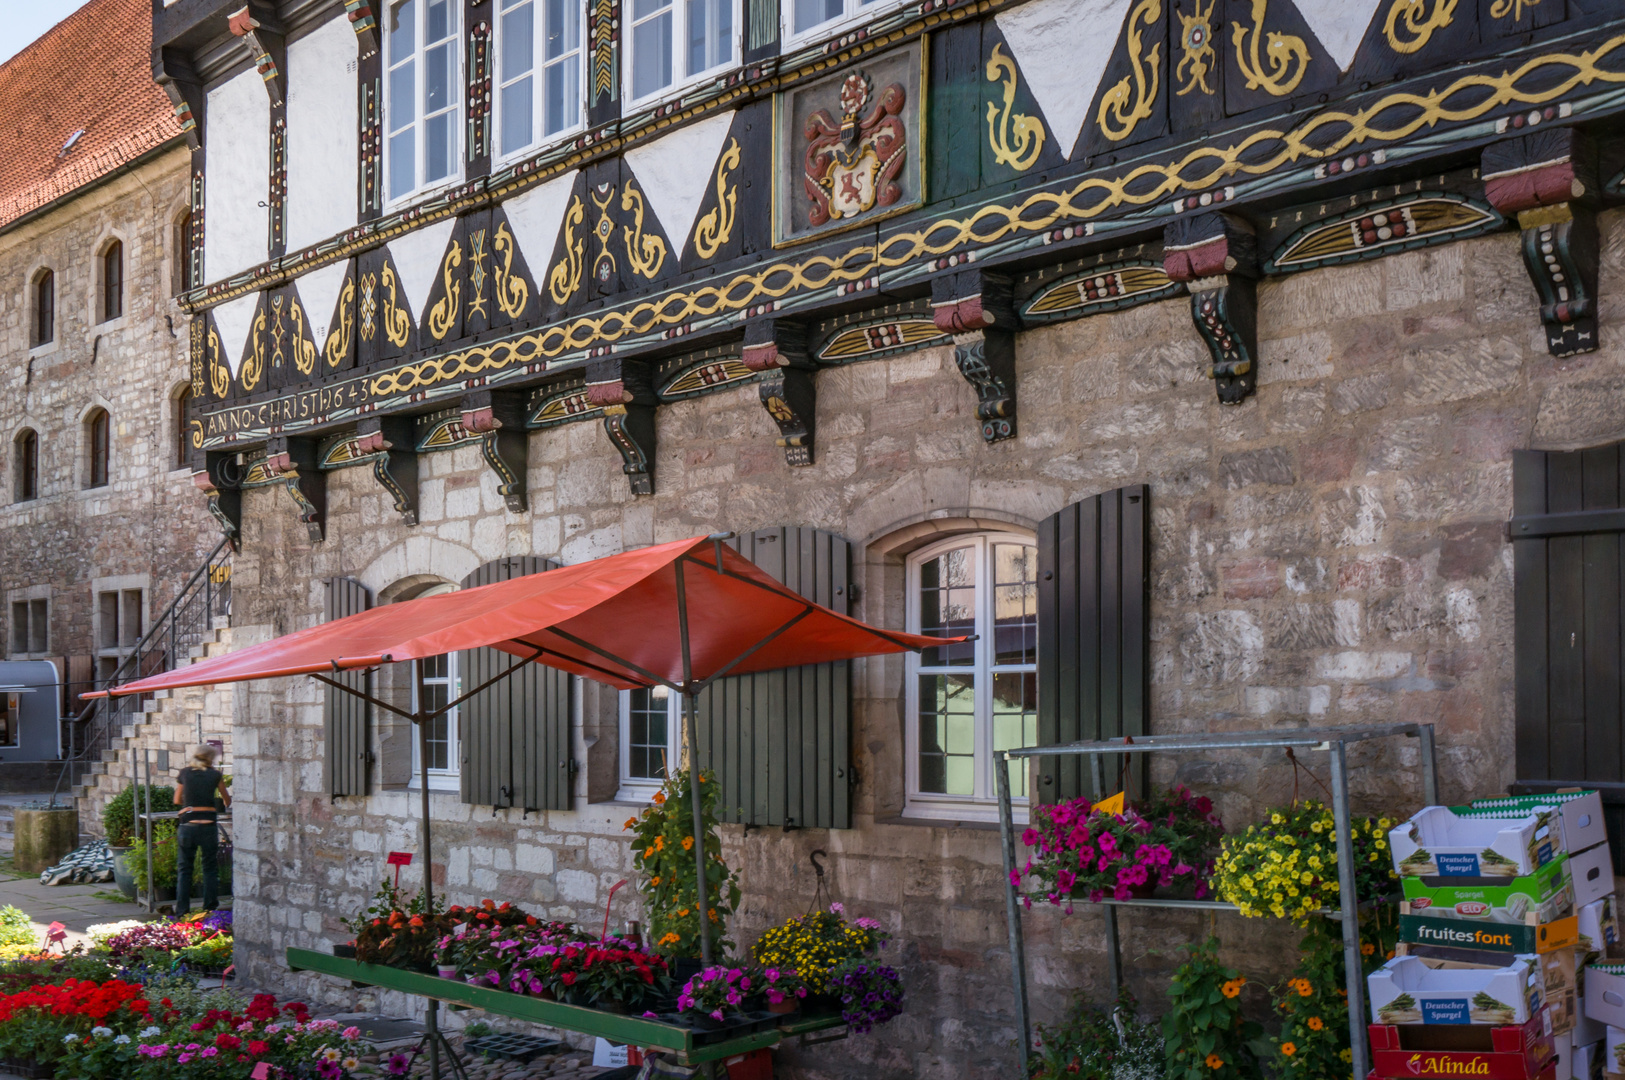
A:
(398, 859)
(607, 903)
(55, 934)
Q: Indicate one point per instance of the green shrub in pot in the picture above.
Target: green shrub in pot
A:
(118, 816)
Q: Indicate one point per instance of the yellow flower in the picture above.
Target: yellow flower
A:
(1276, 819)
(1317, 827)
(1346, 1054)
(1288, 1049)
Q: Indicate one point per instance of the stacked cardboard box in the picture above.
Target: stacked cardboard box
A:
(1501, 891)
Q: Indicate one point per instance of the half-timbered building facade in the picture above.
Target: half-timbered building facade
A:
(1181, 349)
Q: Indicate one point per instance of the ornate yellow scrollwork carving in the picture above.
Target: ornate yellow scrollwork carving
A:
(219, 373)
(368, 307)
(276, 332)
(1027, 131)
(1125, 108)
(1502, 8)
(646, 253)
(1417, 27)
(443, 316)
(338, 337)
(511, 291)
(196, 428)
(304, 350)
(565, 278)
(254, 365)
(717, 226)
(397, 320)
(1287, 54)
(1196, 57)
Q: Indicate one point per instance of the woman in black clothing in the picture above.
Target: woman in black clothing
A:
(197, 834)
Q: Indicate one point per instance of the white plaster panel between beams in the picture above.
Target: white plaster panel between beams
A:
(1063, 47)
(675, 172)
(233, 319)
(417, 257)
(322, 141)
(237, 170)
(535, 217)
(1339, 24)
(319, 292)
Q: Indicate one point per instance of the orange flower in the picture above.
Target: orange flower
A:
(1289, 1049)
(683, 913)
(688, 843)
(670, 939)
(1366, 948)
(660, 843)
(416, 920)
(1214, 1061)
(660, 797)
(1233, 987)
(1316, 1023)
(1304, 989)
(654, 880)
(630, 823)
(648, 851)
(713, 914)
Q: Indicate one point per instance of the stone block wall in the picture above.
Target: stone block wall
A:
(1329, 552)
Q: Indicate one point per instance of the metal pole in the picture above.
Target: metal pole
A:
(1350, 904)
(431, 1028)
(692, 734)
(1430, 765)
(1114, 944)
(431, 1019)
(146, 798)
(1012, 908)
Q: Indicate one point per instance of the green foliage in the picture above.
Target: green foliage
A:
(663, 851)
(1205, 1037)
(477, 1029)
(1096, 1043)
(164, 856)
(54, 969)
(399, 929)
(118, 816)
(1313, 1003)
(16, 928)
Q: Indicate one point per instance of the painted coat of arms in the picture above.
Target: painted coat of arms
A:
(849, 147)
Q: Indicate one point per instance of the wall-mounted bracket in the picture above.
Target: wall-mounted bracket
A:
(778, 349)
(498, 417)
(365, 24)
(392, 439)
(1548, 180)
(1216, 256)
(294, 462)
(625, 391)
(975, 307)
(221, 481)
(256, 24)
(180, 81)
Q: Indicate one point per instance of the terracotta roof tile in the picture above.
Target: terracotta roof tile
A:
(92, 71)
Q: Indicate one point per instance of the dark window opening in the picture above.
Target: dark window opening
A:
(183, 403)
(27, 466)
(113, 282)
(97, 430)
(45, 308)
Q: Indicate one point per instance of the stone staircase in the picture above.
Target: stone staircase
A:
(165, 725)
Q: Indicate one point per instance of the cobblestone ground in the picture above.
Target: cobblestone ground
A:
(569, 1064)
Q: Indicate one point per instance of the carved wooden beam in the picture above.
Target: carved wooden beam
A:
(975, 307)
(256, 25)
(1216, 255)
(396, 466)
(172, 70)
(778, 349)
(1548, 179)
(294, 462)
(365, 23)
(625, 390)
(498, 417)
(220, 479)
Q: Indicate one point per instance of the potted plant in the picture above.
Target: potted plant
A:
(813, 945)
(708, 998)
(620, 980)
(663, 852)
(118, 825)
(784, 990)
(871, 993)
(1287, 866)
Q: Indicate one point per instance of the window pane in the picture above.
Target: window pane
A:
(518, 42)
(696, 36)
(437, 152)
(442, 20)
(402, 149)
(651, 52)
(108, 604)
(130, 613)
(948, 606)
(563, 95)
(1015, 721)
(516, 115)
(647, 713)
(402, 99)
(810, 13)
(1015, 604)
(437, 91)
(563, 28)
(642, 9)
(948, 734)
(402, 31)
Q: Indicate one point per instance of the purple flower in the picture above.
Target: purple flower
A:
(398, 1064)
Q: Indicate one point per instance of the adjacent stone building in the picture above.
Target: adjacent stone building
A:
(100, 525)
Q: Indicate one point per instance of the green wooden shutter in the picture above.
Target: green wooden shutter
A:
(346, 725)
(515, 736)
(1094, 632)
(780, 741)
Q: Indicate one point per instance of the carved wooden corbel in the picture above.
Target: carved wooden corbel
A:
(365, 25)
(294, 462)
(172, 70)
(1216, 255)
(778, 349)
(221, 480)
(975, 308)
(498, 417)
(1548, 179)
(396, 466)
(257, 26)
(625, 391)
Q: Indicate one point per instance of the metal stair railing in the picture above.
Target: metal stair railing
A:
(183, 626)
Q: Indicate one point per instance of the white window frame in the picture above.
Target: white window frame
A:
(983, 805)
(856, 13)
(679, 82)
(450, 778)
(538, 66)
(422, 187)
(641, 789)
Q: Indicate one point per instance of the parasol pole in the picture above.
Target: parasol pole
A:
(431, 1018)
(692, 734)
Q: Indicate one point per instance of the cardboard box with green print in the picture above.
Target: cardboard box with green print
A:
(1439, 842)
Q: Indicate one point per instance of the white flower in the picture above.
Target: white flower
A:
(149, 1032)
(351, 1064)
(272, 1029)
(70, 1038)
(101, 1032)
(121, 1040)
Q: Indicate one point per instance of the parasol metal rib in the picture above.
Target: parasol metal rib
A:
(606, 654)
(748, 653)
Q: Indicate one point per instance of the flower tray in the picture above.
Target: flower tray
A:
(29, 1069)
(509, 1047)
(735, 1026)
